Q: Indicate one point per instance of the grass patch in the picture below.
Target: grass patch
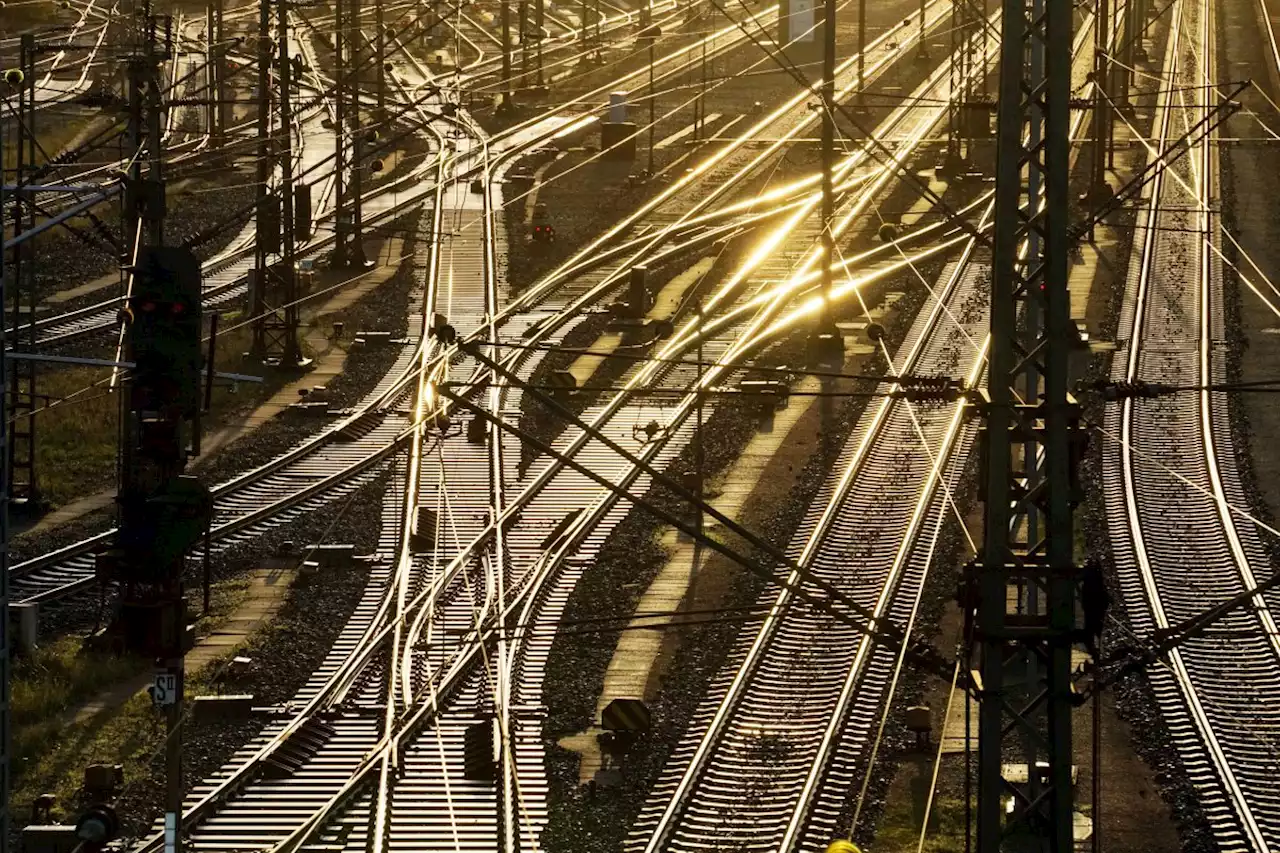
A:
(76, 439)
(78, 434)
(898, 830)
(47, 683)
(129, 734)
(50, 753)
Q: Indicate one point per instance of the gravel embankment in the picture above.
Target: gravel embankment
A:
(65, 260)
(579, 822)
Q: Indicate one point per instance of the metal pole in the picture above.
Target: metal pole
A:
(922, 47)
(155, 134)
(1096, 816)
(381, 44)
(862, 53)
(342, 227)
(206, 562)
(290, 354)
(828, 154)
(700, 465)
(652, 107)
(506, 54)
(1129, 34)
(5, 649)
(356, 256)
(131, 213)
(220, 71)
(173, 749)
(1034, 87)
(522, 12)
(211, 362)
(702, 91)
(210, 72)
(539, 20)
(23, 483)
(1101, 104)
(257, 307)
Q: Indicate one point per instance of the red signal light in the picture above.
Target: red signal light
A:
(148, 306)
(178, 308)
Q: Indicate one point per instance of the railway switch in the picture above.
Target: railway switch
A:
(50, 838)
(230, 706)
(618, 140)
(563, 385)
(103, 780)
(423, 534)
(826, 348)
(772, 393)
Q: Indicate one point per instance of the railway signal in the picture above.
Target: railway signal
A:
(163, 338)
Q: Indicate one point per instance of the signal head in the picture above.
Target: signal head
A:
(14, 77)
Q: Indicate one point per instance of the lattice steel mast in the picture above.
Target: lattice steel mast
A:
(1027, 583)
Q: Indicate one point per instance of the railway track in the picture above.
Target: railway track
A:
(372, 755)
(453, 678)
(428, 798)
(447, 589)
(225, 276)
(1173, 488)
(800, 707)
(317, 463)
(304, 472)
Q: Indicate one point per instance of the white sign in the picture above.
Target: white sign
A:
(165, 690)
(801, 21)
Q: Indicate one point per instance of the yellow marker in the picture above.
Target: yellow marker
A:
(842, 846)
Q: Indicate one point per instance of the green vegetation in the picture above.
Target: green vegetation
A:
(49, 682)
(77, 431)
(129, 734)
(76, 439)
(898, 829)
(51, 749)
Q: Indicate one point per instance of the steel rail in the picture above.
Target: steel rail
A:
(1220, 765)
(852, 686)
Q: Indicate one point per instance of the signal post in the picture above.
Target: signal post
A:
(163, 512)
